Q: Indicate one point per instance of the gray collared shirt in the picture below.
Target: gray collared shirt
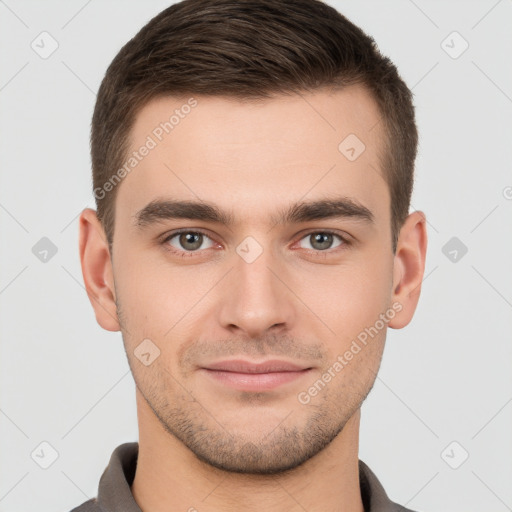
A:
(114, 493)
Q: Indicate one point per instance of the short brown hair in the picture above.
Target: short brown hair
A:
(249, 49)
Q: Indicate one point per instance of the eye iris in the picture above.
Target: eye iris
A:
(194, 238)
(324, 239)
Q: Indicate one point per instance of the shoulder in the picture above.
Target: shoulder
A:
(88, 506)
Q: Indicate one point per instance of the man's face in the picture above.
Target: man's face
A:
(255, 290)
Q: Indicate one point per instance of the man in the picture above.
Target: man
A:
(253, 166)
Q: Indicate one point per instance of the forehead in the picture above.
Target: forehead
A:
(255, 156)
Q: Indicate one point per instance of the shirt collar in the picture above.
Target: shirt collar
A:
(114, 493)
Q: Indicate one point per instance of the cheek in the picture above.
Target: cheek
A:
(350, 297)
(156, 295)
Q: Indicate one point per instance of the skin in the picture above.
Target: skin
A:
(205, 446)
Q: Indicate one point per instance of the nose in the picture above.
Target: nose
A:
(257, 298)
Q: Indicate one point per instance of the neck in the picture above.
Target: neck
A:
(170, 478)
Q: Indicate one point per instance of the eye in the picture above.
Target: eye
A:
(323, 240)
(186, 241)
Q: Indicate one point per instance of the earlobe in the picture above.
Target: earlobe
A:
(97, 270)
(409, 268)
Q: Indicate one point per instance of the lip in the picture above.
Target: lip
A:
(250, 376)
(242, 366)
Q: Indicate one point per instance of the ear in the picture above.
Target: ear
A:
(97, 270)
(409, 267)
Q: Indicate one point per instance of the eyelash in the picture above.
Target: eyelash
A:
(187, 254)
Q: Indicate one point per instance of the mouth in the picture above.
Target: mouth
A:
(255, 377)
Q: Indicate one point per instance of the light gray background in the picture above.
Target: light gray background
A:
(446, 377)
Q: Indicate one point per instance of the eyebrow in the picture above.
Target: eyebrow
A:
(342, 207)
